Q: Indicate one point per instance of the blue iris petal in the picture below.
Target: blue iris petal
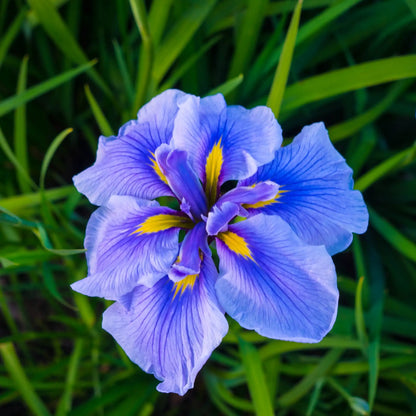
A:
(118, 260)
(317, 199)
(288, 291)
(170, 338)
(123, 165)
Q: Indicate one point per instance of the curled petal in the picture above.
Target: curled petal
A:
(316, 195)
(128, 242)
(125, 164)
(272, 282)
(170, 333)
(225, 143)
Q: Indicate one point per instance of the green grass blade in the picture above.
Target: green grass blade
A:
(146, 56)
(393, 236)
(12, 158)
(359, 316)
(348, 79)
(178, 37)
(7, 39)
(395, 162)
(49, 155)
(99, 116)
(9, 104)
(20, 144)
(228, 86)
(255, 379)
(125, 76)
(281, 75)
(158, 17)
(60, 34)
(22, 383)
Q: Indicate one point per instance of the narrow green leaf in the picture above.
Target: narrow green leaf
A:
(348, 79)
(49, 282)
(313, 377)
(20, 145)
(13, 30)
(395, 162)
(255, 379)
(12, 158)
(21, 381)
(158, 17)
(60, 34)
(178, 37)
(9, 104)
(393, 236)
(125, 76)
(49, 154)
(315, 397)
(227, 86)
(374, 367)
(281, 75)
(99, 116)
(359, 316)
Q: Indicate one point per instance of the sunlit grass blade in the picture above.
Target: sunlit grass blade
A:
(60, 34)
(158, 18)
(228, 86)
(12, 158)
(9, 104)
(13, 30)
(146, 54)
(390, 165)
(348, 79)
(255, 379)
(401, 243)
(20, 137)
(277, 90)
(359, 316)
(178, 37)
(348, 128)
(21, 381)
(99, 116)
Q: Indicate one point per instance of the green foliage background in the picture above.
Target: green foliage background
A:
(71, 70)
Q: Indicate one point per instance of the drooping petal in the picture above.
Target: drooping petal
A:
(232, 204)
(274, 283)
(125, 164)
(129, 242)
(316, 197)
(170, 333)
(225, 143)
(192, 247)
(182, 180)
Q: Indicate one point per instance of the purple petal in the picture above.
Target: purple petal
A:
(248, 138)
(317, 199)
(124, 164)
(286, 290)
(168, 335)
(120, 258)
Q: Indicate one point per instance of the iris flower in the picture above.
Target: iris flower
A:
(192, 176)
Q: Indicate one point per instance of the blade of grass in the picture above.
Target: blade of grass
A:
(274, 101)
(359, 316)
(146, 54)
(9, 104)
(99, 116)
(158, 17)
(227, 86)
(393, 236)
(348, 79)
(13, 30)
(22, 383)
(255, 379)
(125, 76)
(390, 165)
(20, 144)
(60, 34)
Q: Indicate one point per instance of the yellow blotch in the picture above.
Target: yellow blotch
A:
(213, 170)
(163, 222)
(157, 169)
(186, 282)
(236, 243)
(262, 204)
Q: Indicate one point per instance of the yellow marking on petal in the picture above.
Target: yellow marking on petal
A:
(236, 243)
(157, 169)
(163, 222)
(186, 282)
(213, 169)
(262, 204)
